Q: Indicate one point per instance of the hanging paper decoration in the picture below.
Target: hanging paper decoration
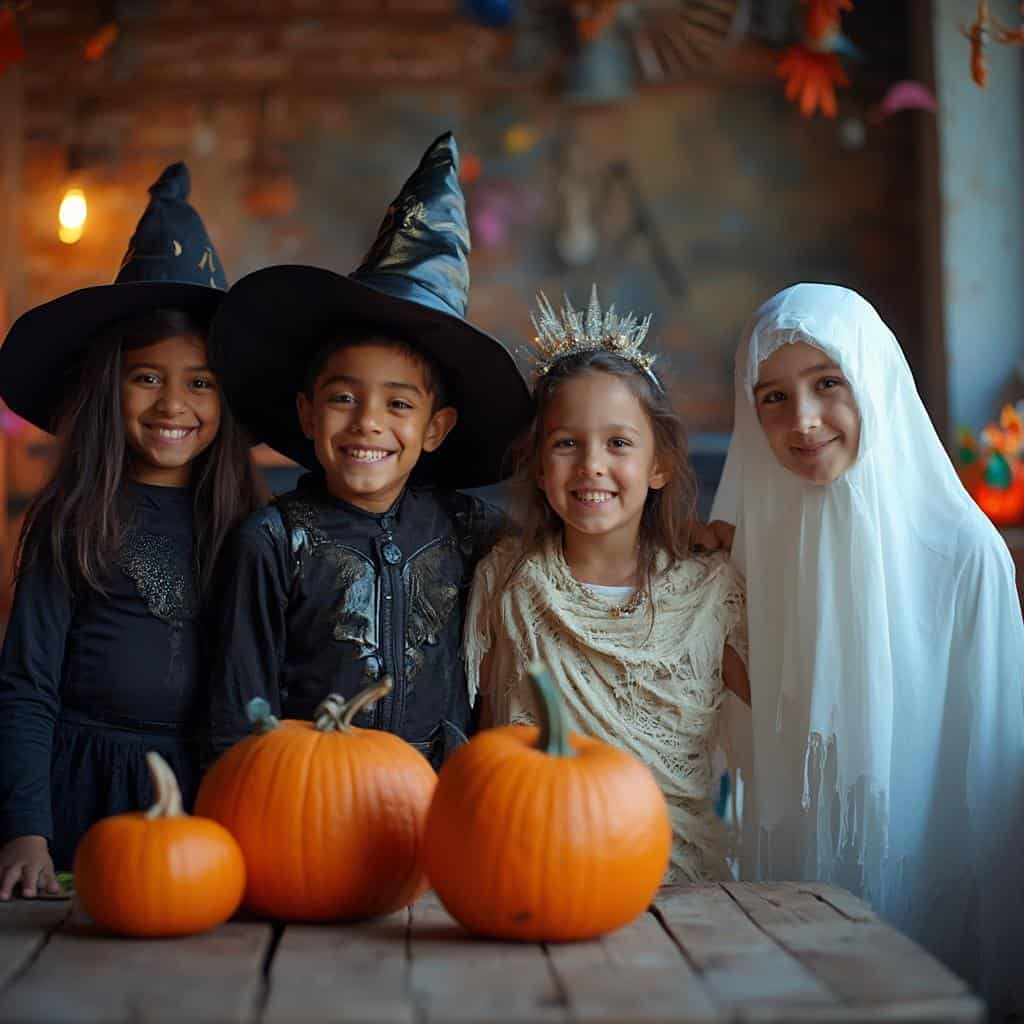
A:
(11, 49)
(690, 36)
(978, 36)
(812, 69)
(822, 27)
(906, 95)
(492, 13)
(1009, 36)
(982, 32)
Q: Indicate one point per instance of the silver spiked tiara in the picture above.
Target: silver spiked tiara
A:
(572, 331)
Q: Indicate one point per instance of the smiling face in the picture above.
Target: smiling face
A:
(370, 415)
(808, 413)
(598, 458)
(170, 405)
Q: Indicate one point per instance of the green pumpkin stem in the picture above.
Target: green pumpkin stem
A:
(168, 794)
(258, 712)
(554, 727)
(335, 714)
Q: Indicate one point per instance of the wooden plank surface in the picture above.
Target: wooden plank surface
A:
(956, 1010)
(636, 974)
(741, 965)
(26, 928)
(864, 961)
(457, 978)
(705, 953)
(84, 975)
(358, 974)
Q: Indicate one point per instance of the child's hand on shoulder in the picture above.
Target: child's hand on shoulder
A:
(25, 862)
(714, 536)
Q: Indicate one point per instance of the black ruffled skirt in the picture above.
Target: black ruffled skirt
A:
(99, 768)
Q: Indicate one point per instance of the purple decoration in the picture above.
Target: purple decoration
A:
(494, 209)
(489, 227)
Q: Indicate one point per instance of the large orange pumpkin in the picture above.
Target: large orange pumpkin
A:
(542, 835)
(160, 872)
(329, 816)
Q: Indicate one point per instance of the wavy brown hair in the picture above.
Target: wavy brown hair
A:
(666, 524)
(79, 518)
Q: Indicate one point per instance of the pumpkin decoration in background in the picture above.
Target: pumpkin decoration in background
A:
(970, 465)
(329, 816)
(1000, 491)
(992, 472)
(540, 835)
(159, 872)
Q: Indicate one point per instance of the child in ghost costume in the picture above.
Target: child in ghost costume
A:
(884, 748)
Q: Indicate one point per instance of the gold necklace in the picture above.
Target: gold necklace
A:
(635, 601)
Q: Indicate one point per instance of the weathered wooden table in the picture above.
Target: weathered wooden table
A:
(727, 952)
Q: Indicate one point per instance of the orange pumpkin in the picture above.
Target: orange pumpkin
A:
(542, 835)
(998, 489)
(329, 817)
(160, 872)
(1004, 506)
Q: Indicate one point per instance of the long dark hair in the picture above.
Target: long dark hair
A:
(79, 518)
(666, 524)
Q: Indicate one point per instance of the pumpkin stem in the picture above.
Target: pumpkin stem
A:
(335, 714)
(554, 727)
(168, 795)
(258, 712)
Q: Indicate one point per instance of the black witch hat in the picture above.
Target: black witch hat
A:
(414, 285)
(170, 264)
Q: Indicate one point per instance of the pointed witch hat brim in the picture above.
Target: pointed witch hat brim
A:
(170, 264)
(413, 285)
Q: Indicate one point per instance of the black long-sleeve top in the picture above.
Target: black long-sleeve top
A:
(89, 681)
(323, 597)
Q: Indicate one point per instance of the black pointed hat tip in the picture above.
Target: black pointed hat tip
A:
(443, 145)
(173, 184)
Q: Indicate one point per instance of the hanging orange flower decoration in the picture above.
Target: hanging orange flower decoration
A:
(821, 21)
(811, 79)
(810, 69)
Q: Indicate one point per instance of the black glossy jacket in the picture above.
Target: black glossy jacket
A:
(321, 597)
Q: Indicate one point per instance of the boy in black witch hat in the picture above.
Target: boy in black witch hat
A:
(102, 658)
(378, 385)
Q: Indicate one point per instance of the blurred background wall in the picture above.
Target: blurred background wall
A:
(647, 146)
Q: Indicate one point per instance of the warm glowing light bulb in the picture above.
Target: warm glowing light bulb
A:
(72, 214)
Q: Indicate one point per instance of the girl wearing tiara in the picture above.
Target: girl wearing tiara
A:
(642, 636)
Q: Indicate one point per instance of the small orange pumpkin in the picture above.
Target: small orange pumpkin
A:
(999, 489)
(329, 816)
(159, 872)
(542, 835)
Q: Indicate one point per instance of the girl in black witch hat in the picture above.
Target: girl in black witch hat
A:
(102, 657)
